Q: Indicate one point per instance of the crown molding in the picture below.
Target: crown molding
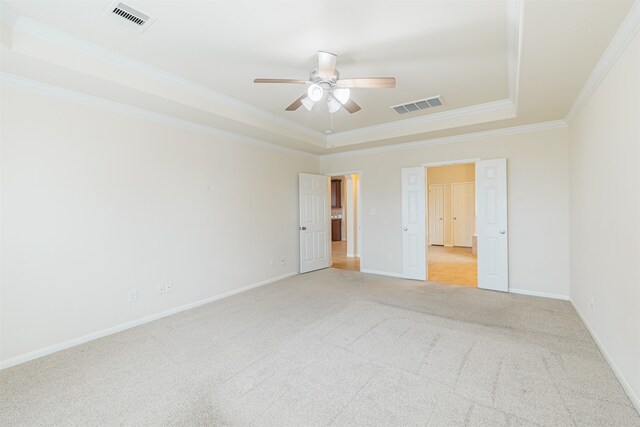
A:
(515, 23)
(534, 127)
(619, 42)
(94, 101)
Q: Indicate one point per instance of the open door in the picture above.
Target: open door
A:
(493, 261)
(314, 222)
(414, 256)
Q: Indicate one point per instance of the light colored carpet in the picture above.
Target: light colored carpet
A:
(456, 266)
(332, 348)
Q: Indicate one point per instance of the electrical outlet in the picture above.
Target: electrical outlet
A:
(389, 257)
(168, 287)
(132, 296)
(283, 261)
(162, 289)
(372, 211)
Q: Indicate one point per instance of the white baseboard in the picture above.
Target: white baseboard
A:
(351, 255)
(127, 325)
(539, 294)
(380, 273)
(633, 397)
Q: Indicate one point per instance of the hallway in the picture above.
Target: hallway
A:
(340, 259)
(455, 265)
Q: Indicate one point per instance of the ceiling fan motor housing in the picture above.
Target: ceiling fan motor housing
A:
(322, 80)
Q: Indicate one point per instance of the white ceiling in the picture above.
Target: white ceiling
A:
(495, 63)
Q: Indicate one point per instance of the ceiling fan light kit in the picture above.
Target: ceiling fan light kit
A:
(315, 92)
(333, 104)
(326, 79)
(342, 94)
(307, 103)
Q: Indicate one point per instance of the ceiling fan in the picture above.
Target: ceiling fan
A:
(326, 79)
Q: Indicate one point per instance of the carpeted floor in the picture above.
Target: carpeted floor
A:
(332, 348)
(456, 266)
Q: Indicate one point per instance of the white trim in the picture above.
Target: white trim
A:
(534, 127)
(94, 101)
(336, 174)
(635, 399)
(515, 19)
(128, 325)
(335, 138)
(380, 273)
(451, 163)
(625, 34)
(539, 294)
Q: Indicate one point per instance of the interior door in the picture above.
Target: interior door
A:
(493, 261)
(436, 214)
(414, 257)
(463, 207)
(314, 222)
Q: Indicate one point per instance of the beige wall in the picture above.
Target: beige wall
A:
(605, 216)
(538, 191)
(448, 175)
(95, 203)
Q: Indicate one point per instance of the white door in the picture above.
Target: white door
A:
(414, 257)
(463, 208)
(436, 214)
(314, 222)
(493, 262)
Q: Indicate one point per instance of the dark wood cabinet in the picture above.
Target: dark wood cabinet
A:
(336, 197)
(336, 230)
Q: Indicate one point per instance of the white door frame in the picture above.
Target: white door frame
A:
(358, 210)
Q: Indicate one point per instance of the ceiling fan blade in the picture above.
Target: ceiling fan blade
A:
(351, 106)
(326, 64)
(301, 82)
(368, 82)
(296, 104)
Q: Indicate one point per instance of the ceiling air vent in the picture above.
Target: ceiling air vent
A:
(129, 16)
(421, 104)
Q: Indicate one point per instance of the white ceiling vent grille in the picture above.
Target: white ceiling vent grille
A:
(128, 16)
(421, 104)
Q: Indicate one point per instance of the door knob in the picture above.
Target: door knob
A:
(405, 229)
(303, 228)
(502, 231)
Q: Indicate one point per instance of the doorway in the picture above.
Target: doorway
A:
(345, 222)
(451, 219)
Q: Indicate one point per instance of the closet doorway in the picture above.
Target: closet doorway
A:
(451, 219)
